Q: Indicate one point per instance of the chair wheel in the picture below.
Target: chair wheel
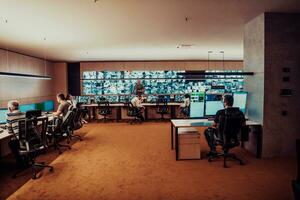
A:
(33, 176)
(51, 169)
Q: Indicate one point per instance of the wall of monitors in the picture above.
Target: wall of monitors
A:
(110, 83)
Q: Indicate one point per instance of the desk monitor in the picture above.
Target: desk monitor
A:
(40, 106)
(240, 100)
(3, 112)
(213, 103)
(48, 106)
(24, 108)
(197, 109)
(33, 114)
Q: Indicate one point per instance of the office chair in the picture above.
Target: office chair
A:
(133, 112)
(185, 112)
(229, 128)
(162, 107)
(32, 139)
(76, 123)
(104, 109)
(61, 129)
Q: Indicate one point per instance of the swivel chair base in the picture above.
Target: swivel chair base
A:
(226, 155)
(57, 146)
(33, 166)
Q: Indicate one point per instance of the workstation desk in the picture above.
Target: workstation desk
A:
(184, 123)
(118, 106)
(5, 135)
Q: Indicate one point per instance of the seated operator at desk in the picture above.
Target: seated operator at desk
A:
(211, 134)
(63, 105)
(137, 104)
(13, 117)
(184, 108)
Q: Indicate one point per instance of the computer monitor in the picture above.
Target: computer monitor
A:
(3, 112)
(240, 100)
(213, 103)
(24, 108)
(48, 106)
(33, 114)
(40, 106)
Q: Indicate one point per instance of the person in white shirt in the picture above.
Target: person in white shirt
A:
(185, 106)
(137, 104)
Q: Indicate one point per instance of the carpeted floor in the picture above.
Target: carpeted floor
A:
(117, 161)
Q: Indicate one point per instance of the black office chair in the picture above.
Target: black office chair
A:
(104, 109)
(76, 123)
(229, 128)
(162, 107)
(60, 129)
(132, 112)
(185, 112)
(32, 138)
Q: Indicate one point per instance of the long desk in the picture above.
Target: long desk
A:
(6, 135)
(92, 108)
(181, 123)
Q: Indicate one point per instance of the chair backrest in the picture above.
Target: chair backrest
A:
(229, 126)
(67, 120)
(162, 105)
(77, 120)
(131, 110)
(32, 132)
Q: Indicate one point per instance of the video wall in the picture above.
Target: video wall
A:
(157, 82)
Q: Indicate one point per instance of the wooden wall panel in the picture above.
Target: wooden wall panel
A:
(59, 79)
(25, 90)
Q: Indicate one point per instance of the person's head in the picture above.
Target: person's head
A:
(138, 81)
(228, 100)
(187, 96)
(69, 97)
(60, 97)
(13, 105)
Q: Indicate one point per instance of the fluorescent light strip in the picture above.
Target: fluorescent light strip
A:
(8, 74)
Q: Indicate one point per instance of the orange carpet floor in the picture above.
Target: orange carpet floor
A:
(117, 161)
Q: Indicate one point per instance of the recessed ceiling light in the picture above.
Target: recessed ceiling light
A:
(185, 46)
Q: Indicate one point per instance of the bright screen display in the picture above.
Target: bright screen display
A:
(3, 113)
(48, 106)
(213, 103)
(24, 108)
(240, 100)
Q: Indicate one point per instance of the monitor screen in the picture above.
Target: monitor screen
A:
(240, 100)
(48, 106)
(213, 104)
(197, 109)
(40, 106)
(3, 112)
(24, 108)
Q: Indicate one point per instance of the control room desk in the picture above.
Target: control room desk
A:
(118, 106)
(5, 135)
(181, 123)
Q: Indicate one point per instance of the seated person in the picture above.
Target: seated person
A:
(139, 88)
(13, 117)
(211, 133)
(185, 106)
(63, 105)
(71, 100)
(137, 103)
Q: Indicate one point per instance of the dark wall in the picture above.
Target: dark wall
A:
(272, 44)
(74, 79)
(282, 113)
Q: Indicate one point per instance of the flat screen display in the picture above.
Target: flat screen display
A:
(240, 100)
(48, 106)
(24, 108)
(3, 112)
(213, 103)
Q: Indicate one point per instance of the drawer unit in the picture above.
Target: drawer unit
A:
(189, 143)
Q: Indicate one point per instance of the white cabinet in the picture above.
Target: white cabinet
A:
(189, 143)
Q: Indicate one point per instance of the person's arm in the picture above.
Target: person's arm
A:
(216, 120)
(59, 111)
